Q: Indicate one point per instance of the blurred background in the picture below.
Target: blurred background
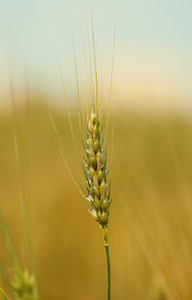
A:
(150, 226)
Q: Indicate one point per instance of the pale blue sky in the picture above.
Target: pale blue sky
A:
(153, 42)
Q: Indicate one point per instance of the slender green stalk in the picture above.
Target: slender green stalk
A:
(108, 269)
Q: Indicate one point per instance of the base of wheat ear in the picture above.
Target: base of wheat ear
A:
(96, 173)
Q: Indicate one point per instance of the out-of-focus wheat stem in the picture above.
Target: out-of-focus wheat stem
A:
(4, 296)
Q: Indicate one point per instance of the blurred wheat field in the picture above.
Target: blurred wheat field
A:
(150, 228)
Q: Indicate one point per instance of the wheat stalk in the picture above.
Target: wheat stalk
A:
(93, 163)
(96, 174)
(21, 282)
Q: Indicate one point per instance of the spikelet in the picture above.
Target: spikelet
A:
(96, 173)
(23, 285)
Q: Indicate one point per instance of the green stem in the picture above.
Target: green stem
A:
(108, 268)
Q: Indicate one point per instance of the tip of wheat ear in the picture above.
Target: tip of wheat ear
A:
(98, 190)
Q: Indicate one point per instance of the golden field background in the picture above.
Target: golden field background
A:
(150, 227)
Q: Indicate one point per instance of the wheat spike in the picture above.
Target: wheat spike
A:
(98, 189)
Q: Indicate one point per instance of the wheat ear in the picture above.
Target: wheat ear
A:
(94, 162)
(98, 189)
